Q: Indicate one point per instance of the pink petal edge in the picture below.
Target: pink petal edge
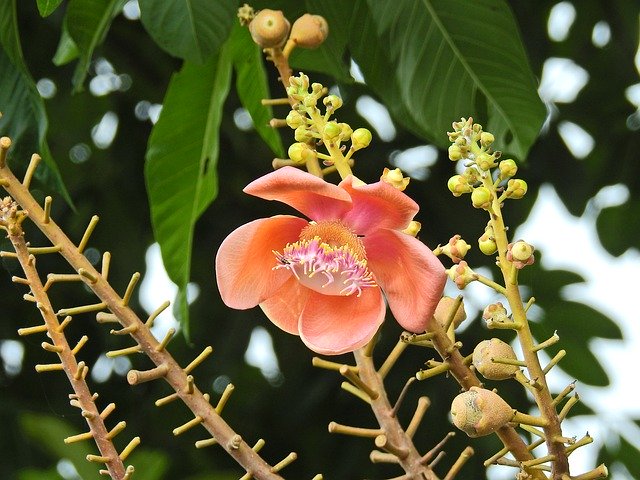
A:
(245, 260)
(310, 195)
(331, 325)
(377, 205)
(410, 275)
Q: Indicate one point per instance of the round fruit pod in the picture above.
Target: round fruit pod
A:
(269, 28)
(309, 31)
(479, 412)
(444, 308)
(483, 356)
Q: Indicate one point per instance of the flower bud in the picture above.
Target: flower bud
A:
(309, 31)
(520, 253)
(481, 197)
(486, 138)
(494, 314)
(471, 175)
(298, 88)
(345, 131)
(458, 185)
(508, 168)
(298, 152)
(295, 119)
(269, 28)
(413, 228)
(444, 309)
(332, 102)
(479, 412)
(485, 161)
(483, 356)
(516, 188)
(461, 274)
(455, 152)
(456, 249)
(395, 178)
(360, 138)
(487, 243)
(332, 130)
(303, 135)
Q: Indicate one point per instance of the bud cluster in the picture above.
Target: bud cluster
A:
(313, 127)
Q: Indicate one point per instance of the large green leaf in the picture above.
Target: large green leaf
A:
(47, 7)
(189, 29)
(88, 22)
(24, 117)
(180, 168)
(252, 85)
(469, 62)
(614, 220)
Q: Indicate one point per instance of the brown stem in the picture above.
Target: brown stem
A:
(395, 437)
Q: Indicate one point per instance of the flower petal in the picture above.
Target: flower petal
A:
(332, 324)
(310, 195)
(410, 275)
(377, 205)
(286, 305)
(245, 260)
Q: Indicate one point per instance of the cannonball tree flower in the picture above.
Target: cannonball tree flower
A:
(322, 279)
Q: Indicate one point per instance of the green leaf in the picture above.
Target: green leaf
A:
(149, 464)
(88, 22)
(67, 50)
(614, 220)
(47, 7)
(581, 321)
(252, 85)
(470, 62)
(189, 29)
(49, 433)
(180, 168)
(24, 117)
(34, 474)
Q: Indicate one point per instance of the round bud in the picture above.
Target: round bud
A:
(520, 253)
(516, 188)
(345, 131)
(303, 135)
(444, 310)
(360, 138)
(458, 185)
(486, 138)
(295, 119)
(508, 168)
(332, 102)
(481, 197)
(297, 152)
(309, 31)
(479, 412)
(485, 161)
(395, 178)
(495, 314)
(455, 152)
(332, 130)
(487, 244)
(484, 354)
(269, 28)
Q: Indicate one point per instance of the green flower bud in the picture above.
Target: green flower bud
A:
(484, 355)
(295, 119)
(480, 412)
(269, 28)
(303, 135)
(508, 168)
(309, 31)
(486, 138)
(458, 185)
(455, 152)
(332, 102)
(516, 188)
(487, 244)
(332, 130)
(481, 197)
(360, 138)
(485, 161)
(298, 152)
(345, 131)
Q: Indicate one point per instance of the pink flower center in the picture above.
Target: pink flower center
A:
(329, 259)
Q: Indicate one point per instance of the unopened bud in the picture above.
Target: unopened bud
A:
(458, 185)
(516, 188)
(309, 31)
(461, 274)
(479, 412)
(332, 102)
(345, 131)
(395, 178)
(485, 161)
(360, 138)
(520, 253)
(487, 243)
(508, 168)
(494, 314)
(455, 152)
(456, 249)
(269, 28)
(484, 355)
(445, 309)
(295, 119)
(298, 152)
(332, 130)
(486, 138)
(413, 228)
(303, 135)
(481, 197)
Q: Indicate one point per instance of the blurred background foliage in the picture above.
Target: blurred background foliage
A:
(88, 98)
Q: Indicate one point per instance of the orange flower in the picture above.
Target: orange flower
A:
(322, 279)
